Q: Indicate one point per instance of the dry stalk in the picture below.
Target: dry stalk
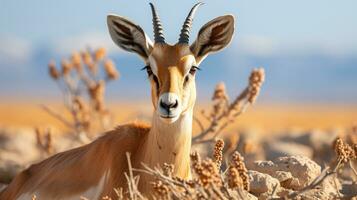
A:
(132, 181)
(224, 113)
(44, 141)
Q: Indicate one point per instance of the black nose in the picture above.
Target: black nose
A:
(168, 106)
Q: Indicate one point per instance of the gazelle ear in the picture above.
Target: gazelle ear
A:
(213, 36)
(129, 36)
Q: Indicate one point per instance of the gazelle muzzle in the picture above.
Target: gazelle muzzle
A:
(169, 106)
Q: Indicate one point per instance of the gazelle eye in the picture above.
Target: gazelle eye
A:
(194, 69)
(151, 74)
(148, 70)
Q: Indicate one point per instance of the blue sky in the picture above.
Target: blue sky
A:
(308, 48)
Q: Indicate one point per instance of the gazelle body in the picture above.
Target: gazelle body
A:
(94, 170)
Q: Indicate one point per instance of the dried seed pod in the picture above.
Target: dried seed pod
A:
(77, 61)
(160, 189)
(87, 58)
(99, 54)
(220, 92)
(88, 61)
(206, 171)
(96, 93)
(110, 70)
(220, 101)
(233, 178)
(238, 162)
(53, 70)
(66, 67)
(344, 151)
(256, 80)
(195, 157)
(218, 153)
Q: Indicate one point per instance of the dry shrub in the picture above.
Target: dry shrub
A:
(83, 87)
(224, 113)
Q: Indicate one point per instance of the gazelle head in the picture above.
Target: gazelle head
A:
(172, 68)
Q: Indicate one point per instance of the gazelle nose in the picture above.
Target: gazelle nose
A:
(169, 105)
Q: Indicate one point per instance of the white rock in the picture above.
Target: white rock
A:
(301, 168)
(293, 172)
(261, 183)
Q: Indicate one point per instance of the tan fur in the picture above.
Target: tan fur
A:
(172, 66)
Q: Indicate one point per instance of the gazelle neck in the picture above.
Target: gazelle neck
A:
(170, 143)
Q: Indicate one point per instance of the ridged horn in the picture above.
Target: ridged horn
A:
(186, 27)
(158, 30)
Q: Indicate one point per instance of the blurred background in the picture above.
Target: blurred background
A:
(307, 48)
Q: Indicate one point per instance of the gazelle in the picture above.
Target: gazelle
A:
(95, 169)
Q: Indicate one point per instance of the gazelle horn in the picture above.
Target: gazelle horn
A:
(185, 31)
(158, 30)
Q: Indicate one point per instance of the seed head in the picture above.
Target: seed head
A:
(220, 92)
(96, 93)
(160, 189)
(99, 54)
(256, 80)
(218, 153)
(53, 70)
(238, 163)
(206, 171)
(66, 67)
(110, 70)
(76, 61)
(343, 150)
(233, 178)
(87, 58)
